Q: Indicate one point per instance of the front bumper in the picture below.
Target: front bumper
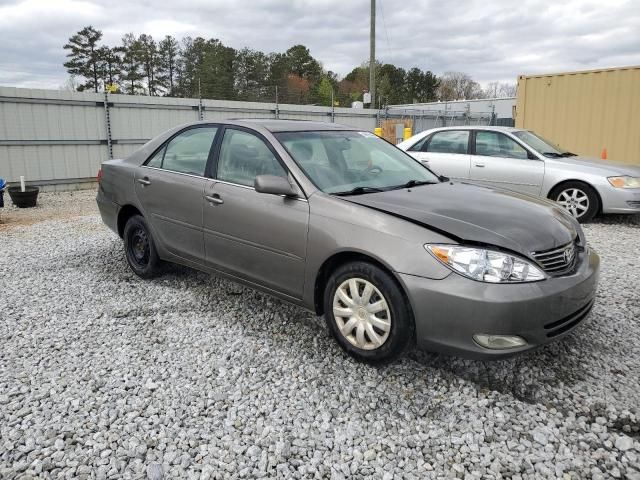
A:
(450, 311)
(620, 200)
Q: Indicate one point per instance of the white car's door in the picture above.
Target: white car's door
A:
(445, 152)
(498, 160)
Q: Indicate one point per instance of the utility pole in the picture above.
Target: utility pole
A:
(372, 55)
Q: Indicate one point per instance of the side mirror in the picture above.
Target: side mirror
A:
(274, 185)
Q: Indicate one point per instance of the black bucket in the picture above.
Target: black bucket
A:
(26, 199)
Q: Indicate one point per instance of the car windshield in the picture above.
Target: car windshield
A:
(352, 163)
(545, 147)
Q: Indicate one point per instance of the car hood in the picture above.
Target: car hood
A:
(614, 168)
(475, 214)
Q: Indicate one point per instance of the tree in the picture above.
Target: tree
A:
(500, 90)
(132, 76)
(150, 60)
(391, 84)
(83, 57)
(189, 71)
(325, 90)
(251, 75)
(69, 85)
(110, 65)
(421, 86)
(458, 86)
(216, 70)
(169, 55)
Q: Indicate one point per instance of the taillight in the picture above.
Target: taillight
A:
(99, 177)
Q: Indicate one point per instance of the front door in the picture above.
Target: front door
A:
(445, 152)
(170, 187)
(259, 237)
(500, 161)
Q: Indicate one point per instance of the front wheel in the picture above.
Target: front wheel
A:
(140, 249)
(579, 199)
(367, 313)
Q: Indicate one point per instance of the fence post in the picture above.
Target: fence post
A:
(200, 116)
(333, 109)
(107, 122)
(277, 111)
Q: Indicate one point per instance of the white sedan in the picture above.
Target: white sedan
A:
(520, 160)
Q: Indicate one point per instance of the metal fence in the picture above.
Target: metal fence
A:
(54, 137)
(426, 119)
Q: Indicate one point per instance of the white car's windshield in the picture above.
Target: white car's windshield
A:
(545, 147)
(346, 162)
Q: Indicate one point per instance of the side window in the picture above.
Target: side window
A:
(189, 151)
(244, 156)
(156, 160)
(496, 144)
(419, 145)
(448, 141)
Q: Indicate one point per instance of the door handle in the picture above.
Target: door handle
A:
(144, 181)
(215, 198)
(481, 165)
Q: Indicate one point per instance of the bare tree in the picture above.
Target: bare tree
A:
(458, 86)
(500, 90)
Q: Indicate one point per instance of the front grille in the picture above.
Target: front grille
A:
(557, 260)
(567, 323)
(634, 203)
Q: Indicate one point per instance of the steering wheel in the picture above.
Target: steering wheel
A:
(374, 170)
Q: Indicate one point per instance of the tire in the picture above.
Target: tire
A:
(140, 248)
(578, 198)
(392, 330)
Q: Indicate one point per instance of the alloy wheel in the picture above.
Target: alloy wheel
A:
(362, 313)
(575, 201)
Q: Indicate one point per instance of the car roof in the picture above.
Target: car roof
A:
(479, 127)
(276, 125)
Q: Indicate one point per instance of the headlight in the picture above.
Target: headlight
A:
(624, 182)
(486, 265)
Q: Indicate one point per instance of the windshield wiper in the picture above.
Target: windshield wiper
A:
(552, 154)
(358, 191)
(568, 154)
(412, 183)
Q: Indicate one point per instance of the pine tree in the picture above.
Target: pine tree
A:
(83, 57)
(169, 57)
(150, 61)
(132, 76)
(110, 65)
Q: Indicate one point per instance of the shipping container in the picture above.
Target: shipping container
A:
(586, 112)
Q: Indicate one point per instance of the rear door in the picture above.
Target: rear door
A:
(170, 187)
(259, 237)
(445, 152)
(500, 161)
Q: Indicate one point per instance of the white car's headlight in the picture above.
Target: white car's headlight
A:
(486, 265)
(624, 182)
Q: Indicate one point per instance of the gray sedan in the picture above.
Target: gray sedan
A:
(522, 161)
(347, 225)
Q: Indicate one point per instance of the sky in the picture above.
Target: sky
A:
(490, 40)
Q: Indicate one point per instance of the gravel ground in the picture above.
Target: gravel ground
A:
(104, 375)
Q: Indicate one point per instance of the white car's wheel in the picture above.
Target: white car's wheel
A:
(577, 198)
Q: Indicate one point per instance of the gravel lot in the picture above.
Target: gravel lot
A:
(103, 375)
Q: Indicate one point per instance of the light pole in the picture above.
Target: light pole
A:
(372, 55)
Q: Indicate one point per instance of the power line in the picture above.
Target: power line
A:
(386, 33)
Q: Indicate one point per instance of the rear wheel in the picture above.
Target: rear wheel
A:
(367, 313)
(578, 198)
(140, 249)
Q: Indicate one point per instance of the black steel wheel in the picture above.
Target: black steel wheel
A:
(140, 249)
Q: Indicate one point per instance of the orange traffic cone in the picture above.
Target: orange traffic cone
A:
(603, 156)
